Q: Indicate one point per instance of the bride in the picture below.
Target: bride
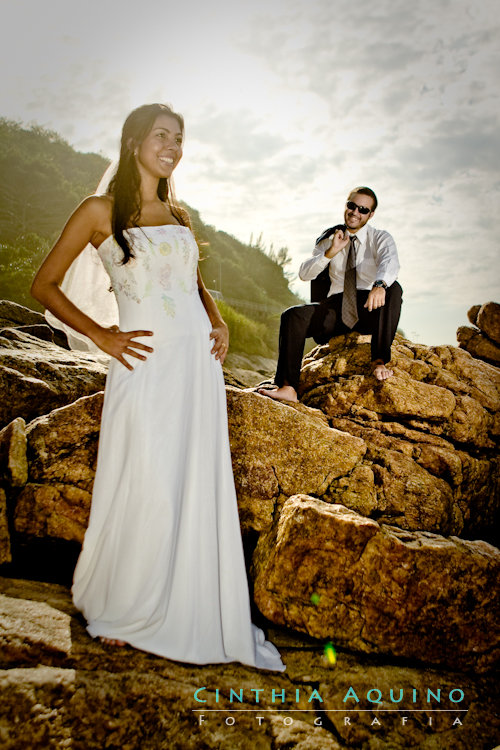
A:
(162, 565)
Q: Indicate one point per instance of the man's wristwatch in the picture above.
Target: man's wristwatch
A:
(379, 282)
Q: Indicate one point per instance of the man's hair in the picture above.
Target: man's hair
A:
(364, 191)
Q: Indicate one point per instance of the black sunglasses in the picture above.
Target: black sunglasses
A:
(353, 206)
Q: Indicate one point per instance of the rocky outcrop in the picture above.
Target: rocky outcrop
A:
(487, 319)
(482, 341)
(62, 451)
(479, 345)
(60, 687)
(332, 573)
(40, 376)
(351, 503)
(250, 369)
(278, 451)
(432, 433)
(28, 321)
(5, 554)
(13, 473)
(13, 315)
(13, 458)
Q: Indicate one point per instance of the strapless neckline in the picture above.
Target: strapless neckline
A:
(148, 227)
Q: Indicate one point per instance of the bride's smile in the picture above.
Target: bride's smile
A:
(161, 150)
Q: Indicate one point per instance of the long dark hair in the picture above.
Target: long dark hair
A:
(125, 185)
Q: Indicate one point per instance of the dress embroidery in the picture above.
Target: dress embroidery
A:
(154, 265)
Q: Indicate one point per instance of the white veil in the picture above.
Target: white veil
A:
(87, 285)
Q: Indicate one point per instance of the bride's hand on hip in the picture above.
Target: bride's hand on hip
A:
(220, 336)
(117, 343)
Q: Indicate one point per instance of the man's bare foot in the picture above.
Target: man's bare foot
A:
(285, 393)
(111, 641)
(380, 371)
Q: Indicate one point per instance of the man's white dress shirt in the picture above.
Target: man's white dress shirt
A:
(376, 258)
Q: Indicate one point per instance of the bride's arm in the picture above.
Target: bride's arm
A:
(84, 225)
(220, 331)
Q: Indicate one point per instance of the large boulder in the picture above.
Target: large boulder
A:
(61, 688)
(327, 571)
(478, 344)
(432, 433)
(40, 376)
(62, 452)
(28, 321)
(419, 451)
(278, 451)
(12, 315)
(482, 341)
(488, 320)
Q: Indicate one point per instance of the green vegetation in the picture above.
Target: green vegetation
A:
(250, 335)
(42, 179)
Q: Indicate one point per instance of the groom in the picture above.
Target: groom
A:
(353, 271)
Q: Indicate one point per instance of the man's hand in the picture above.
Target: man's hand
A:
(340, 240)
(376, 298)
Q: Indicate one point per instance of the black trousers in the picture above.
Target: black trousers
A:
(322, 320)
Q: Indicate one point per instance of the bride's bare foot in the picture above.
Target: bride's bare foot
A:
(111, 641)
(380, 371)
(285, 393)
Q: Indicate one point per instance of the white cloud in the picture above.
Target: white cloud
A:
(288, 105)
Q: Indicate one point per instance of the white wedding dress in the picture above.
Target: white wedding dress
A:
(162, 564)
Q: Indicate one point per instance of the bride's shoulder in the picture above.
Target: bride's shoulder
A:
(96, 212)
(93, 217)
(98, 206)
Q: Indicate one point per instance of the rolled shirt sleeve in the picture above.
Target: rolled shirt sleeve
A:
(376, 258)
(313, 266)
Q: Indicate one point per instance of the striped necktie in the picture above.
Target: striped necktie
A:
(349, 299)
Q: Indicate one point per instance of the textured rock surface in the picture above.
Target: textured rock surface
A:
(488, 320)
(380, 468)
(40, 376)
(438, 472)
(250, 369)
(432, 433)
(5, 555)
(13, 459)
(380, 589)
(23, 319)
(483, 341)
(12, 314)
(62, 689)
(478, 344)
(426, 727)
(278, 451)
(62, 451)
(472, 313)
(419, 452)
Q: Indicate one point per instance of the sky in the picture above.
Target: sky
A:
(288, 105)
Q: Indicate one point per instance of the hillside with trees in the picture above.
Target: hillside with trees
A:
(42, 179)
